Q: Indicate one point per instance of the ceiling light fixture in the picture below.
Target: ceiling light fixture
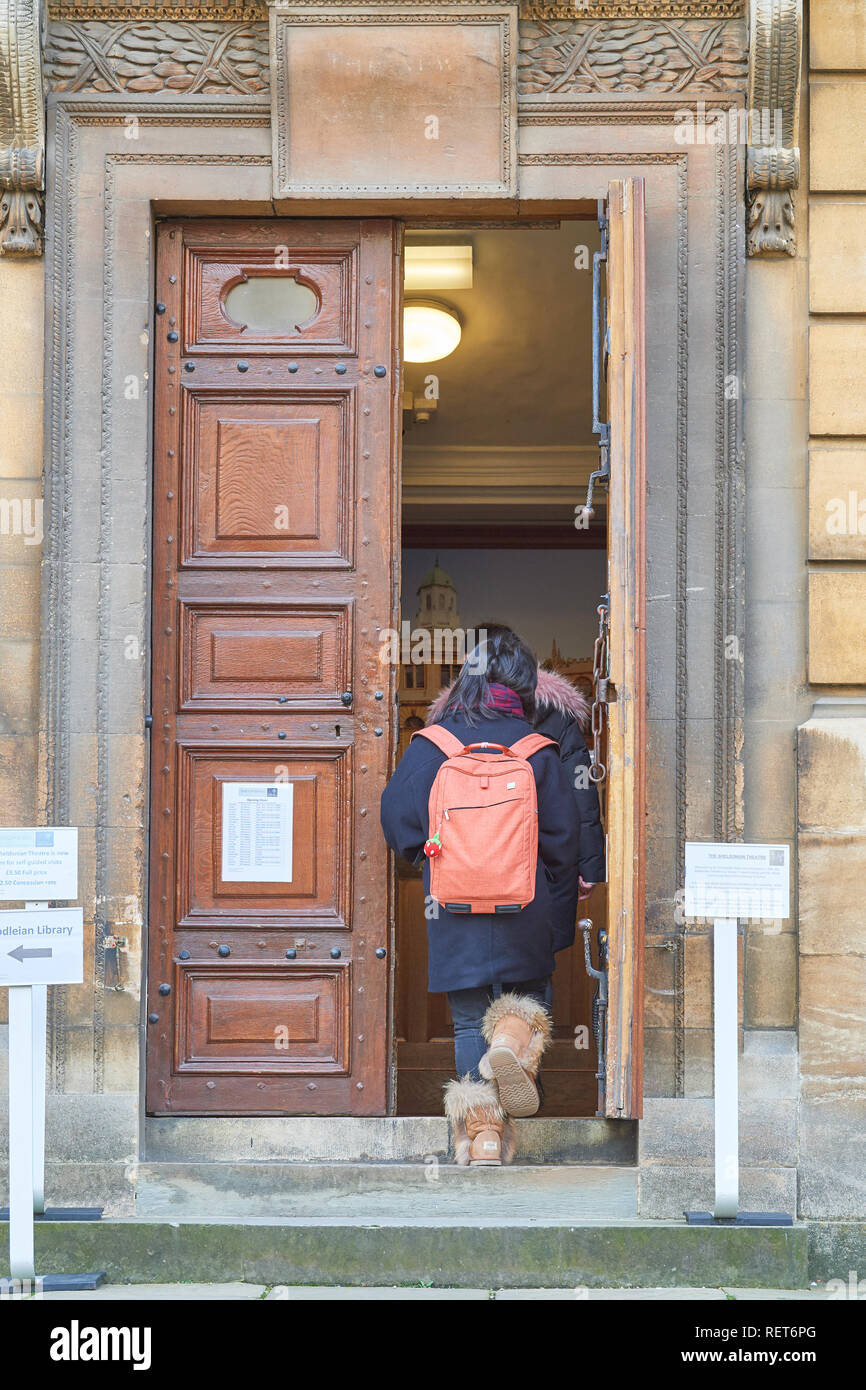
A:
(431, 331)
(437, 268)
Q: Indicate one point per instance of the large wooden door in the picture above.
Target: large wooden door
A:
(273, 577)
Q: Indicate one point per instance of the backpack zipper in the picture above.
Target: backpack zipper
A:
(505, 802)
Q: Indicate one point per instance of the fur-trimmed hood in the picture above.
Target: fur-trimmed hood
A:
(552, 692)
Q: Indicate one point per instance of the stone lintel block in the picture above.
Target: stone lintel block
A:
(22, 520)
(835, 1248)
(769, 1076)
(698, 1002)
(769, 1042)
(770, 977)
(126, 773)
(832, 1015)
(832, 1173)
(659, 1062)
(837, 375)
(831, 875)
(699, 1077)
(19, 601)
(837, 154)
(681, 1132)
(824, 1089)
(837, 501)
(19, 687)
(21, 444)
(106, 1185)
(837, 256)
(770, 770)
(665, 1192)
(122, 1059)
(837, 627)
(659, 983)
(83, 1128)
(831, 786)
(18, 761)
(22, 290)
(837, 35)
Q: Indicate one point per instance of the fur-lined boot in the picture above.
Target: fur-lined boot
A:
(483, 1134)
(517, 1030)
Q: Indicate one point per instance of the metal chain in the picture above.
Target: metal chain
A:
(600, 678)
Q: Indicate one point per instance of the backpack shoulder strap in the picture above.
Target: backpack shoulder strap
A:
(531, 743)
(445, 741)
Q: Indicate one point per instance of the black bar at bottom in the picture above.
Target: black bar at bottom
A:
(61, 1214)
(58, 1283)
(743, 1218)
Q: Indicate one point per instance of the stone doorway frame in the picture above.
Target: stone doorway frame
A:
(212, 156)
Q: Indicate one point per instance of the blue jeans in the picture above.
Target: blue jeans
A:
(468, 1007)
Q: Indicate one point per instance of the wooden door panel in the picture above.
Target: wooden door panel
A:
(322, 815)
(268, 478)
(331, 273)
(247, 655)
(273, 578)
(259, 1020)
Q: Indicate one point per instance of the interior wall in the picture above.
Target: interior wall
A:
(546, 595)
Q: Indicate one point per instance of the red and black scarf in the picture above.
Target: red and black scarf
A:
(506, 701)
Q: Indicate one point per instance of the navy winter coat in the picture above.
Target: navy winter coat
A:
(465, 951)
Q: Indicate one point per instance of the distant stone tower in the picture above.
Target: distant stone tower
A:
(437, 600)
(437, 608)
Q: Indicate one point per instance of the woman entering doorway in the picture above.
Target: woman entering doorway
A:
(494, 964)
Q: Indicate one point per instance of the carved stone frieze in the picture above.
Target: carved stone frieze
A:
(233, 10)
(22, 129)
(631, 56)
(555, 56)
(773, 165)
(211, 58)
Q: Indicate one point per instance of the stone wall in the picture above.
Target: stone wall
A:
(21, 522)
(832, 743)
(105, 185)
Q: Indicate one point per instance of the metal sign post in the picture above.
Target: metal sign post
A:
(39, 946)
(22, 1259)
(39, 1006)
(729, 882)
(725, 1078)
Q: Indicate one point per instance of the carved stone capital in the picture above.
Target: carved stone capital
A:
(773, 159)
(22, 128)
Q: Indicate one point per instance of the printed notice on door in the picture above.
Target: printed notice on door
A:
(257, 832)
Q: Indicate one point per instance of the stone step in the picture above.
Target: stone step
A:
(519, 1253)
(432, 1190)
(375, 1139)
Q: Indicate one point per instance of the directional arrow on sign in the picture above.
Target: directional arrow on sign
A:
(21, 953)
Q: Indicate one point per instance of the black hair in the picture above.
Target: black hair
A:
(501, 657)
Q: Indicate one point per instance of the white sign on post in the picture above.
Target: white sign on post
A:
(39, 946)
(732, 880)
(38, 862)
(42, 946)
(729, 881)
(257, 832)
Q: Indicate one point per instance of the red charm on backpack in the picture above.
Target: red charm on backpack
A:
(433, 846)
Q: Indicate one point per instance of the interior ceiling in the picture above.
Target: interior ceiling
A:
(511, 437)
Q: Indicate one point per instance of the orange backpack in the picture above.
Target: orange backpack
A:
(483, 813)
